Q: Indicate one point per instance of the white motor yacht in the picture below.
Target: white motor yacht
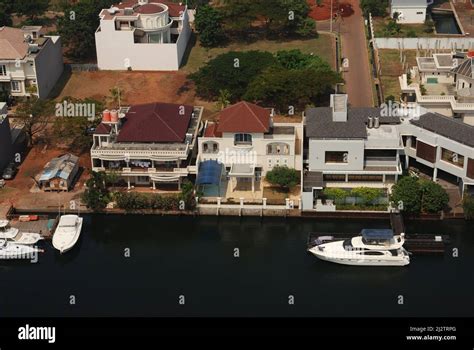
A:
(374, 247)
(10, 250)
(15, 236)
(67, 233)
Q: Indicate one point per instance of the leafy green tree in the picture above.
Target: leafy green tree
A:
(6, 9)
(367, 194)
(468, 206)
(96, 196)
(335, 193)
(35, 114)
(291, 87)
(208, 23)
(78, 25)
(283, 176)
(434, 197)
(407, 194)
(232, 71)
(31, 8)
(223, 98)
(376, 7)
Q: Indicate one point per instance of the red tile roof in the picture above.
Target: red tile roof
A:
(174, 9)
(102, 129)
(148, 9)
(156, 122)
(244, 117)
(211, 130)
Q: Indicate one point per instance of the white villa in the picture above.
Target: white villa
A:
(353, 147)
(147, 145)
(30, 62)
(142, 35)
(236, 152)
(410, 11)
(442, 84)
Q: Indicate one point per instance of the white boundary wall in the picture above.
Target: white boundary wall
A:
(425, 43)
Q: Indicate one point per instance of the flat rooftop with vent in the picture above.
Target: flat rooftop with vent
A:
(142, 35)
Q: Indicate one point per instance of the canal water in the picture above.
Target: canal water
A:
(195, 258)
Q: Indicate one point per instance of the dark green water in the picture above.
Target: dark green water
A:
(194, 257)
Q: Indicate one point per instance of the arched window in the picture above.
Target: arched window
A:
(242, 139)
(278, 148)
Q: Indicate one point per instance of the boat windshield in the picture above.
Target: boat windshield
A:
(347, 244)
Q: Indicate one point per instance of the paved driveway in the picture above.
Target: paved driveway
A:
(354, 47)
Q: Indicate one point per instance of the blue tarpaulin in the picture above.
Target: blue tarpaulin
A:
(210, 172)
(377, 233)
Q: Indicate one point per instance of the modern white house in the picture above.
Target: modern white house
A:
(237, 151)
(409, 11)
(142, 35)
(349, 147)
(30, 62)
(355, 147)
(441, 83)
(147, 145)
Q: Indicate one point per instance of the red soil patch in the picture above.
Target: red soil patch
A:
(323, 12)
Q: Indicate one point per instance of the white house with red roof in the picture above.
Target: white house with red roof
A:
(247, 143)
(30, 62)
(142, 35)
(148, 144)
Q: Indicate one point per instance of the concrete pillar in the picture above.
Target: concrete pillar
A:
(383, 178)
(128, 181)
(347, 177)
(179, 184)
(102, 163)
(154, 185)
(253, 183)
(264, 201)
(396, 178)
(407, 161)
(219, 202)
(435, 173)
(241, 202)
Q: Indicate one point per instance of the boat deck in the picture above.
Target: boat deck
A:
(44, 226)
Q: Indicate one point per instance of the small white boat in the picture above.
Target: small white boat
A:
(67, 233)
(15, 236)
(6, 231)
(13, 251)
(372, 248)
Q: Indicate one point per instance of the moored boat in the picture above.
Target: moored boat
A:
(67, 232)
(374, 247)
(13, 251)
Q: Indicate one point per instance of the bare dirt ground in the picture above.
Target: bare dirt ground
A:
(19, 191)
(135, 87)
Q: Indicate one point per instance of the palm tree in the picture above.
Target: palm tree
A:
(223, 99)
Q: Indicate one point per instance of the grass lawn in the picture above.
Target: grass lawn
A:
(322, 46)
(392, 68)
(418, 29)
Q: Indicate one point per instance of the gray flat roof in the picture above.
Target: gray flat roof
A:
(448, 127)
(319, 123)
(410, 3)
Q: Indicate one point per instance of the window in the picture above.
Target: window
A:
(3, 70)
(452, 157)
(242, 139)
(278, 148)
(210, 147)
(336, 157)
(413, 142)
(16, 87)
(334, 178)
(419, 13)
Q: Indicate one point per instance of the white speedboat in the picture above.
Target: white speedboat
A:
(371, 248)
(15, 236)
(67, 233)
(10, 250)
